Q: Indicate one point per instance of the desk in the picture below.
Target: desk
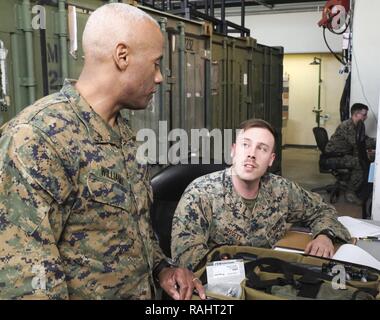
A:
(295, 240)
(298, 240)
(376, 223)
(372, 247)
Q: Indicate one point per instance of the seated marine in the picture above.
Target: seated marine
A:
(245, 205)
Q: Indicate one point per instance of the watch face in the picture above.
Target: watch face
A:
(332, 234)
(329, 234)
(171, 262)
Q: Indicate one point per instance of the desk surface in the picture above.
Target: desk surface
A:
(294, 240)
(372, 247)
(376, 223)
(299, 240)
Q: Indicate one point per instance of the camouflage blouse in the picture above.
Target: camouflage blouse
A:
(74, 205)
(210, 213)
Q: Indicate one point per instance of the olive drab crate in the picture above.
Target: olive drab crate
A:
(210, 80)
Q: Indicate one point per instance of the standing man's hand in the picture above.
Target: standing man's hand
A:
(179, 283)
(321, 246)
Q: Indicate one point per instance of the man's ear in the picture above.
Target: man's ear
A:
(272, 157)
(121, 56)
(233, 150)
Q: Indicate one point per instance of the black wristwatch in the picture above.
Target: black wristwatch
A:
(328, 233)
(164, 263)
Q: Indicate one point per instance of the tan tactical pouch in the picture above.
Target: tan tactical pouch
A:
(277, 275)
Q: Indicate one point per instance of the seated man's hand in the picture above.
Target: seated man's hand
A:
(179, 283)
(321, 246)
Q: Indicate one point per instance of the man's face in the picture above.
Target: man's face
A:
(361, 115)
(143, 72)
(252, 154)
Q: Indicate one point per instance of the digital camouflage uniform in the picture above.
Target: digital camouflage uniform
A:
(73, 205)
(210, 213)
(344, 141)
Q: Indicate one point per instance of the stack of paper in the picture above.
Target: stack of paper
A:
(358, 228)
(355, 254)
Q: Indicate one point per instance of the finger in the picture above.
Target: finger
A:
(189, 292)
(308, 247)
(184, 289)
(314, 250)
(326, 253)
(201, 290)
(190, 288)
(320, 251)
(184, 283)
(331, 252)
(173, 292)
(171, 287)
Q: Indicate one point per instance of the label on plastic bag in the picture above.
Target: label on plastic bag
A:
(231, 271)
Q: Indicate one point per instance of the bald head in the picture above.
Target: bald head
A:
(111, 24)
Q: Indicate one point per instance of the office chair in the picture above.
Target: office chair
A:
(168, 186)
(341, 175)
(367, 188)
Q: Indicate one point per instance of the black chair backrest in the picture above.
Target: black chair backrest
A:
(361, 145)
(365, 190)
(321, 137)
(360, 132)
(168, 187)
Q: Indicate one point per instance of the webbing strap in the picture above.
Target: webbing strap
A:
(309, 287)
(285, 268)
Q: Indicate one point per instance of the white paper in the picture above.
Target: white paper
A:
(355, 254)
(358, 228)
(224, 277)
(231, 271)
(371, 174)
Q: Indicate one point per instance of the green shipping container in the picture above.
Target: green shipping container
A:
(210, 80)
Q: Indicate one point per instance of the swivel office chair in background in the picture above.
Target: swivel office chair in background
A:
(168, 187)
(341, 175)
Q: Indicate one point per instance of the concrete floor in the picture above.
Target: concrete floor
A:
(301, 166)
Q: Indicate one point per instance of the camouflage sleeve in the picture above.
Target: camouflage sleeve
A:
(342, 141)
(190, 228)
(32, 184)
(158, 255)
(309, 208)
(333, 145)
(370, 143)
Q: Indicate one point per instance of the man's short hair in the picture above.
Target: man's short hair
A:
(258, 123)
(358, 107)
(110, 24)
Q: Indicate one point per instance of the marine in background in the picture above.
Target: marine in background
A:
(343, 143)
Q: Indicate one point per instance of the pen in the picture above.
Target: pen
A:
(370, 239)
